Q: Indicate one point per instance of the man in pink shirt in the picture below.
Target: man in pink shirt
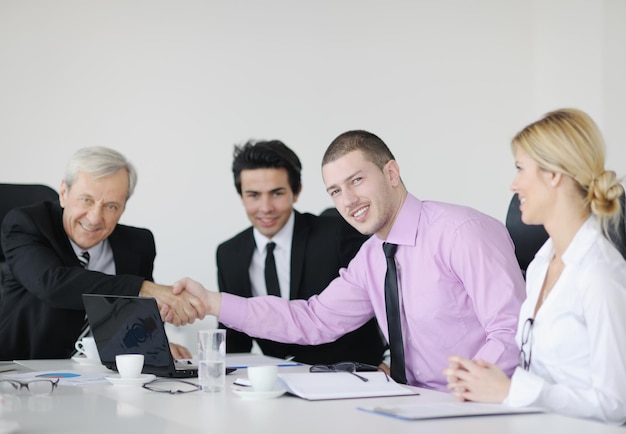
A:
(459, 284)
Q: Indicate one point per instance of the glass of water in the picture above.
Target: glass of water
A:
(212, 360)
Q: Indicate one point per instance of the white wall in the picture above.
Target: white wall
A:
(174, 84)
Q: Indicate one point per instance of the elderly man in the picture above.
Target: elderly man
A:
(55, 252)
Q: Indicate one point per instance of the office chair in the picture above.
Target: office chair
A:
(330, 212)
(17, 195)
(526, 238)
(529, 238)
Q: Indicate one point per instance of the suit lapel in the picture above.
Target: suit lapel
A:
(126, 260)
(298, 250)
(61, 237)
(247, 250)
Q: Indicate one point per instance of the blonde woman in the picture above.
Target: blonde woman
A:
(572, 326)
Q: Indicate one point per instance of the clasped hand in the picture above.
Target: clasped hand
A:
(184, 302)
(476, 380)
(179, 307)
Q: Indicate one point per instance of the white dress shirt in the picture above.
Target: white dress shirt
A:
(282, 258)
(578, 365)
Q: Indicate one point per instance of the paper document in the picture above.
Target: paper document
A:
(66, 378)
(8, 366)
(338, 385)
(441, 410)
(243, 360)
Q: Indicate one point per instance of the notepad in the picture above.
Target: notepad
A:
(341, 385)
(440, 410)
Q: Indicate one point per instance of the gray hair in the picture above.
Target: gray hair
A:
(99, 162)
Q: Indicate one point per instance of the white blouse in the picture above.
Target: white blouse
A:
(578, 365)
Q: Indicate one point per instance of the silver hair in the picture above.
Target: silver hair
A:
(99, 162)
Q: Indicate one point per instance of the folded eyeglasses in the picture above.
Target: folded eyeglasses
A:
(349, 367)
(34, 387)
(173, 387)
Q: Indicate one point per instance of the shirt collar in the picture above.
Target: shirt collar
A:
(584, 237)
(404, 229)
(282, 238)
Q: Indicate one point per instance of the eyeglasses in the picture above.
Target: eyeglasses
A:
(527, 338)
(34, 387)
(349, 367)
(173, 387)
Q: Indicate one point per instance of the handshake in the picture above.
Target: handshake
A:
(184, 302)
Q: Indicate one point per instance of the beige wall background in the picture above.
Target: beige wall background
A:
(174, 84)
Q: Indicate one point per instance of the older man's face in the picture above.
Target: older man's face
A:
(92, 207)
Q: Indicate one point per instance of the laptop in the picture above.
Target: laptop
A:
(126, 324)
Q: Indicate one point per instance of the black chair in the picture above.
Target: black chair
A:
(529, 238)
(330, 212)
(17, 195)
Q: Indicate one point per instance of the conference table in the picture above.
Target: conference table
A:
(108, 408)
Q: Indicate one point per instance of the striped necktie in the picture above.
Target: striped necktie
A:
(83, 258)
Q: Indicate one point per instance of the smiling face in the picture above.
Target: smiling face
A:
(267, 198)
(367, 197)
(534, 189)
(92, 207)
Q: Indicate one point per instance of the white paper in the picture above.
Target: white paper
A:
(66, 377)
(440, 410)
(244, 360)
(237, 360)
(338, 385)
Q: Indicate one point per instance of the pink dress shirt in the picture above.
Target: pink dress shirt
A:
(459, 283)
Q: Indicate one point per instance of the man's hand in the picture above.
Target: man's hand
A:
(212, 300)
(179, 352)
(383, 367)
(180, 309)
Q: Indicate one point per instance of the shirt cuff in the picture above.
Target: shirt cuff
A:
(525, 389)
(233, 310)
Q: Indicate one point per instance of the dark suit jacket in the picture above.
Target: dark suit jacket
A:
(320, 247)
(41, 306)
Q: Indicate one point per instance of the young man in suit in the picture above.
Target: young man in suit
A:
(309, 251)
(56, 251)
(441, 279)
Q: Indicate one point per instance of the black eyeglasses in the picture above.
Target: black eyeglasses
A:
(173, 387)
(34, 387)
(349, 367)
(527, 339)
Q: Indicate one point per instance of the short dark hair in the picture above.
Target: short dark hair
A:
(373, 148)
(272, 154)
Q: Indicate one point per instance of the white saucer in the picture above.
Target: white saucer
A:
(119, 381)
(251, 394)
(85, 361)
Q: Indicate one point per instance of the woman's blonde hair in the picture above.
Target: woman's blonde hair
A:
(568, 141)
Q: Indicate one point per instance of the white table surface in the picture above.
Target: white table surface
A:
(104, 408)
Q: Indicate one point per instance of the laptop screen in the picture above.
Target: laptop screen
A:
(122, 325)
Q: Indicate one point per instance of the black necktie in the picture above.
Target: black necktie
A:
(271, 278)
(392, 304)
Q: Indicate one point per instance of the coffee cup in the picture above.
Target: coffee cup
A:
(263, 378)
(87, 347)
(129, 365)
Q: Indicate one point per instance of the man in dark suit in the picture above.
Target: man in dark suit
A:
(55, 252)
(308, 252)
